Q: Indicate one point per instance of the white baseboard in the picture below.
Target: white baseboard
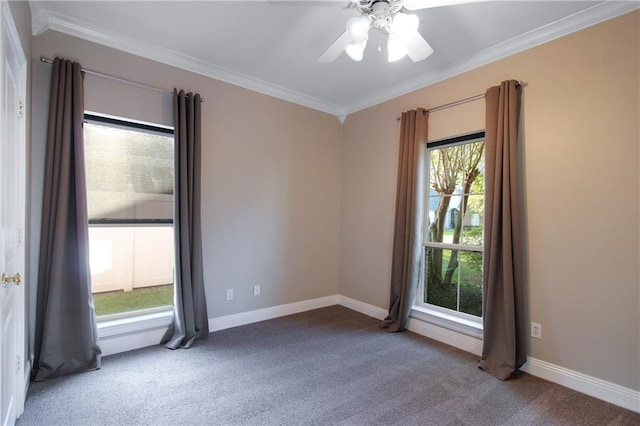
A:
(363, 308)
(244, 318)
(583, 383)
(26, 380)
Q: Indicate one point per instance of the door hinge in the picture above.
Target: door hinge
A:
(20, 109)
(18, 363)
(19, 236)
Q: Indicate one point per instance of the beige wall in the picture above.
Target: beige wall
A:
(271, 174)
(581, 160)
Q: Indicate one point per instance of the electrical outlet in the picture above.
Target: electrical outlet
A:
(536, 330)
(256, 290)
(230, 294)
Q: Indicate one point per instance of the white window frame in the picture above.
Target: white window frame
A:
(447, 318)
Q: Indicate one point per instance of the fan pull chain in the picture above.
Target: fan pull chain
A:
(379, 43)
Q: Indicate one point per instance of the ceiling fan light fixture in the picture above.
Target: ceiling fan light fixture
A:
(358, 27)
(403, 23)
(355, 50)
(396, 48)
(385, 16)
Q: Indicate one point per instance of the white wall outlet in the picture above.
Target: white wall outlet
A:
(229, 294)
(536, 330)
(256, 290)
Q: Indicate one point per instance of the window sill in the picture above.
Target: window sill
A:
(450, 322)
(145, 321)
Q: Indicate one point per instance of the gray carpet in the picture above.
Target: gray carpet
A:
(330, 366)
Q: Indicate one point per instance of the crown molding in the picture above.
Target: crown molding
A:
(570, 24)
(39, 17)
(43, 19)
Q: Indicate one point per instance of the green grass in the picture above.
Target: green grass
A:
(115, 302)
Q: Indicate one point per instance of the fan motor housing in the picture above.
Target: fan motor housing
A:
(380, 11)
(380, 8)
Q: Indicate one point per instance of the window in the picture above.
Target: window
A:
(453, 231)
(129, 168)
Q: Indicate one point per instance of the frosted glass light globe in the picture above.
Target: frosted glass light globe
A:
(358, 27)
(355, 50)
(396, 48)
(403, 23)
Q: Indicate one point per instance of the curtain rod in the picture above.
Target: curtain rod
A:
(456, 103)
(451, 104)
(118, 79)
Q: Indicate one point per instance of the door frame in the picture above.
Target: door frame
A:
(23, 370)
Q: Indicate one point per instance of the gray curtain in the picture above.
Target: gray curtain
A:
(504, 349)
(407, 241)
(66, 336)
(190, 319)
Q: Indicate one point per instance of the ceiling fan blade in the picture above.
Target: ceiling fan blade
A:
(426, 4)
(335, 49)
(417, 47)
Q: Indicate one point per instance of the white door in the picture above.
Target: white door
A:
(12, 218)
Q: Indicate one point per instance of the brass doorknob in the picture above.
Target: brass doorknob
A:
(6, 279)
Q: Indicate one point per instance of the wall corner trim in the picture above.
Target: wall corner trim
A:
(363, 308)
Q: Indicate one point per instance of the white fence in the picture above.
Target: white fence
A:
(128, 257)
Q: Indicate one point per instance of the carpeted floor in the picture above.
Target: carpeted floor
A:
(330, 366)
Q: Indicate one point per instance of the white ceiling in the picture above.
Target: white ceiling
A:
(272, 46)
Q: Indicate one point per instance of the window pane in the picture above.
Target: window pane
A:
(129, 173)
(471, 282)
(441, 280)
(456, 191)
(472, 167)
(454, 280)
(131, 267)
(442, 217)
(443, 208)
(472, 223)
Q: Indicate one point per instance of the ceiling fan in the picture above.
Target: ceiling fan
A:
(388, 17)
